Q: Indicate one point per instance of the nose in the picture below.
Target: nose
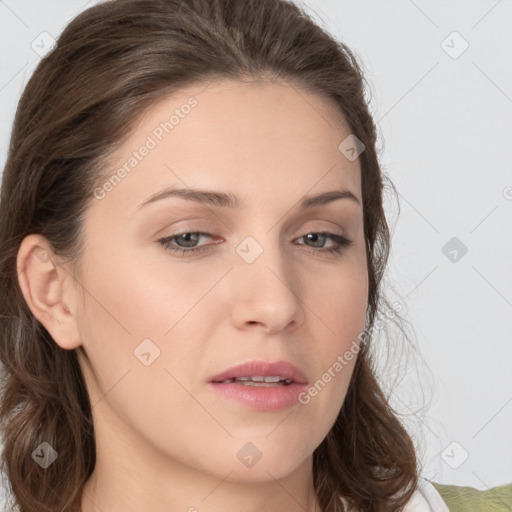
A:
(267, 293)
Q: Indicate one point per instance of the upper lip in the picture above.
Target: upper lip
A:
(264, 369)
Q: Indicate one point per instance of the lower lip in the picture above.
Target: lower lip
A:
(271, 398)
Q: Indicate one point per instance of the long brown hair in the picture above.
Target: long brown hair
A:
(111, 63)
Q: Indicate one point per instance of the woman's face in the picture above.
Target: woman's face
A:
(156, 326)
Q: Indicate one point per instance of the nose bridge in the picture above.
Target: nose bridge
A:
(263, 238)
(265, 250)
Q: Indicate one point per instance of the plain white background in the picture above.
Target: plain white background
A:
(440, 82)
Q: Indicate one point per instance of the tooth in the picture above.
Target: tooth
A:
(272, 379)
(258, 379)
(243, 378)
(263, 384)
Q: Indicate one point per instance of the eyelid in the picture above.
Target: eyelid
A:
(336, 222)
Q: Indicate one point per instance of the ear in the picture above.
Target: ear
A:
(49, 290)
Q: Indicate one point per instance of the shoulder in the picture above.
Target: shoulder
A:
(426, 499)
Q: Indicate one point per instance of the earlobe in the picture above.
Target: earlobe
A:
(45, 287)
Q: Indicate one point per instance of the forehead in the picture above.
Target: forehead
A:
(250, 136)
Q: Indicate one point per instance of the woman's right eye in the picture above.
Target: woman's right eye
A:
(184, 237)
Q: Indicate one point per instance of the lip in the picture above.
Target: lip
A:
(265, 369)
(261, 398)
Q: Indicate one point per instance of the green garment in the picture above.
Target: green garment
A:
(469, 499)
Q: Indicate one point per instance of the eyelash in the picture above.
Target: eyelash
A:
(341, 241)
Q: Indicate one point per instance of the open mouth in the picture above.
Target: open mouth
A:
(259, 381)
(261, 385)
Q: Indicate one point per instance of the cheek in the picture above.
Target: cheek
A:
(141, 298)
(132, 318)
(338, 300)
(339, 303)
(139, 312)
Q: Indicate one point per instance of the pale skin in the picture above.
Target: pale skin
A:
(164, 440)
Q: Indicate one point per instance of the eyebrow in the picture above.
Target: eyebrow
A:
(229, 200)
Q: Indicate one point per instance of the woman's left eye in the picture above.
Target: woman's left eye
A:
(340, 241)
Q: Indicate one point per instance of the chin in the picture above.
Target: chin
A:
(252, 465)
(260, 473)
